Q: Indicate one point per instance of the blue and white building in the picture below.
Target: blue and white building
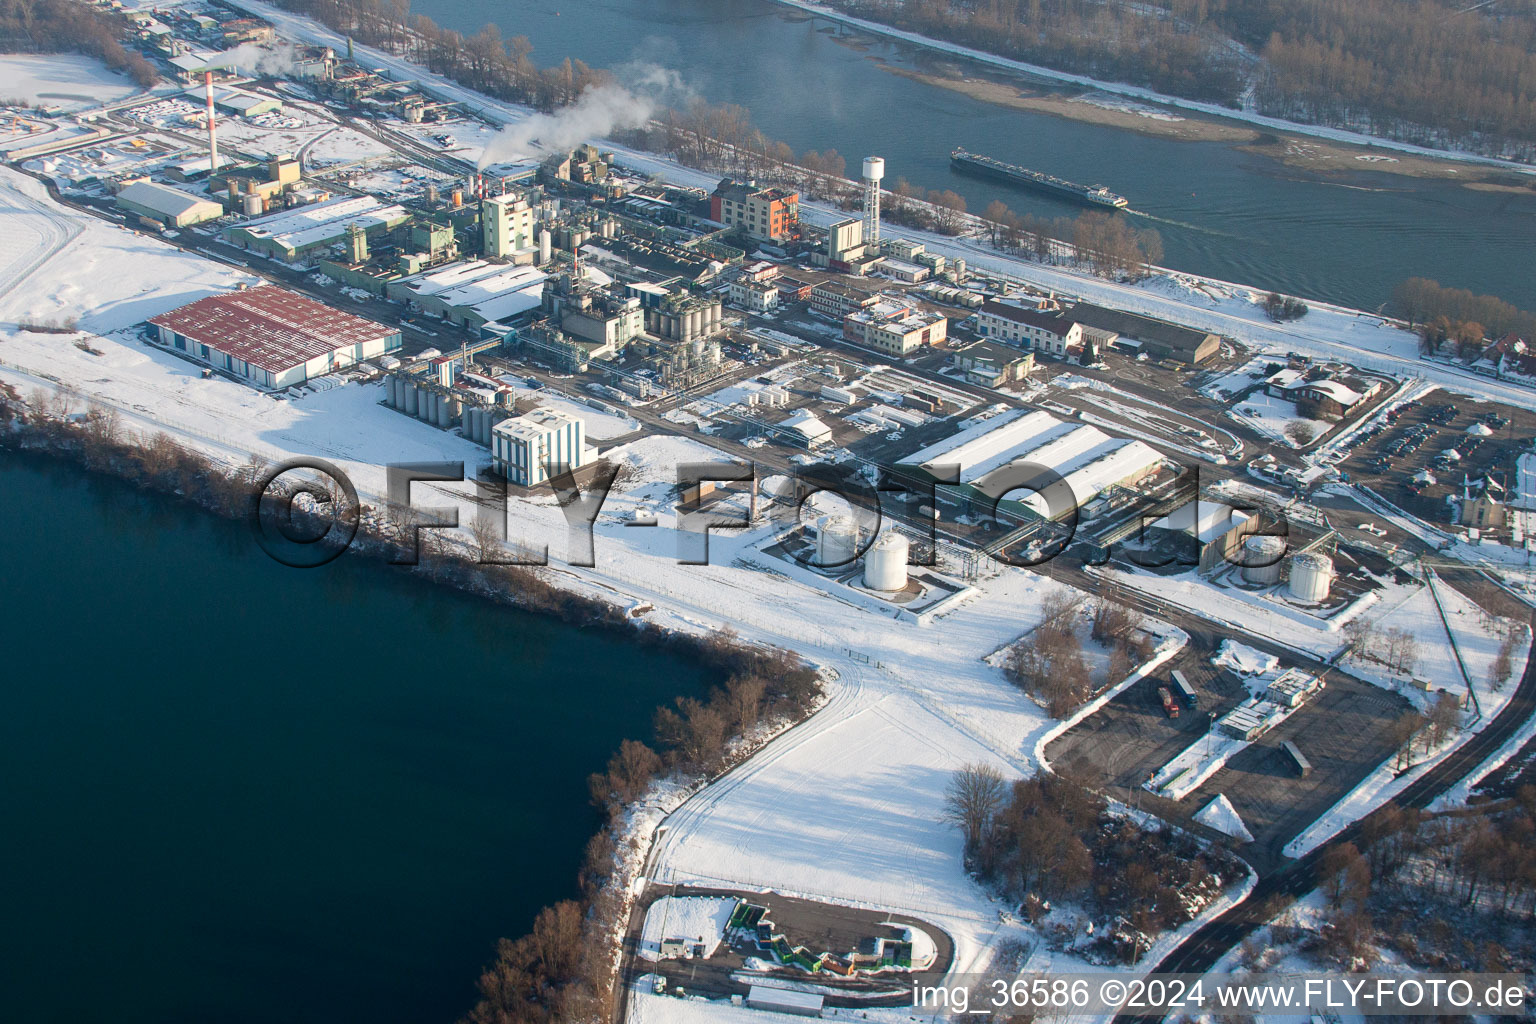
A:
(525, 448)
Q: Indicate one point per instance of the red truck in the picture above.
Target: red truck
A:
(1170, 705)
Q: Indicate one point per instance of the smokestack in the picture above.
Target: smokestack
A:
(213, 137)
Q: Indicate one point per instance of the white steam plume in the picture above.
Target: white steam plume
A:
(254, 59)
(599, 111)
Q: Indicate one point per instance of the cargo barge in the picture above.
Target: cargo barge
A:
(987, 167)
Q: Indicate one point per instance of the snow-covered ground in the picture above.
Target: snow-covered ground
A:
(694, 919)
(56, 263)
(65, 81)
(1276, 418)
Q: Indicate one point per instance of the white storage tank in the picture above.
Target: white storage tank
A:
(885, 567)
(1262, 559)
(1311, 577)
(251, 204)
(837, 541)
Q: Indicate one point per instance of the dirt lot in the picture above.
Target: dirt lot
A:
(1342, 731)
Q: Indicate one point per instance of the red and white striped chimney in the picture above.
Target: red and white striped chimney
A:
(213, 137)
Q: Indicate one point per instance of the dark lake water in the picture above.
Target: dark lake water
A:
(1222, 212)
(234, 791)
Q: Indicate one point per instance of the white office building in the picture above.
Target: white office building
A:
(525, 448)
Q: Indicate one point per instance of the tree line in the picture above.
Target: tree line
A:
(1424, 71)
(1457, 316)
(1050, 838)
(1446, 892)
(65, 26)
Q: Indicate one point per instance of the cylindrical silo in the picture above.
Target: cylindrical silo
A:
(472, 425)
(885, 567)
(837, 541)
(251, 204)
(1311, 577)
(444, 412)
(1262, 558)
(546, 246)
(412, 400)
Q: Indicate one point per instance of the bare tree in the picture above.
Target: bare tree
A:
(972, 800)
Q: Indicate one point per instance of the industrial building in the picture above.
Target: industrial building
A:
(1031, 329)
(305, 229)
(271, 336)
(1157, 338)
(1087, 459)
(837, 300)
(167, 206)
(1211, 529)
(894, 327)
(769, 214)
(473, 292)
(506, 225)
(525, 448)
(983, 362)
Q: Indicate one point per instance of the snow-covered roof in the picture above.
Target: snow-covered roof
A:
(1206, 520)
(1341, 393)
(809, 425)
(308, 225)
(494, 291)
(172, 202)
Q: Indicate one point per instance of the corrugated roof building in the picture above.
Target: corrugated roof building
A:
(169, 206)
(271, 336)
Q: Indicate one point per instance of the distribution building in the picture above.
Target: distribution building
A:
(272, 337)
(524, 448)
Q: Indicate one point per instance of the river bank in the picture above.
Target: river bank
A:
(1299, 152)
(1139, 93)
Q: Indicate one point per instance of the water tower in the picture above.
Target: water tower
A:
(874, 170)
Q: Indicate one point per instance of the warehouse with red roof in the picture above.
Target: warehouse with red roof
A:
(272, 337)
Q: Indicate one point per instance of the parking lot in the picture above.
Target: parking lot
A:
(1343, 732)
(1405, 456)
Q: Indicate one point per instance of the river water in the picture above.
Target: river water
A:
(1221, 212)
(235, 791)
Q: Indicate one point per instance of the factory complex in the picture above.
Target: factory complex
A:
(1174, 555)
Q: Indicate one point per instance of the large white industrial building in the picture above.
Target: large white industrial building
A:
(1089, 460)
(524, 448)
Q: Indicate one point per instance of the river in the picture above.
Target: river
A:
(235, 791)
(1221, 211)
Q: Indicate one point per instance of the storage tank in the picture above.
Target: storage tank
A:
(874, 168)
(837, 541)
(546, 246)
(1262, 559)
(412, 399)
(251, 204)
(1311, 577)
(885, 567)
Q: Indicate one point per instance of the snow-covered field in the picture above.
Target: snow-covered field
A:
(63, 80)
(79, 264)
